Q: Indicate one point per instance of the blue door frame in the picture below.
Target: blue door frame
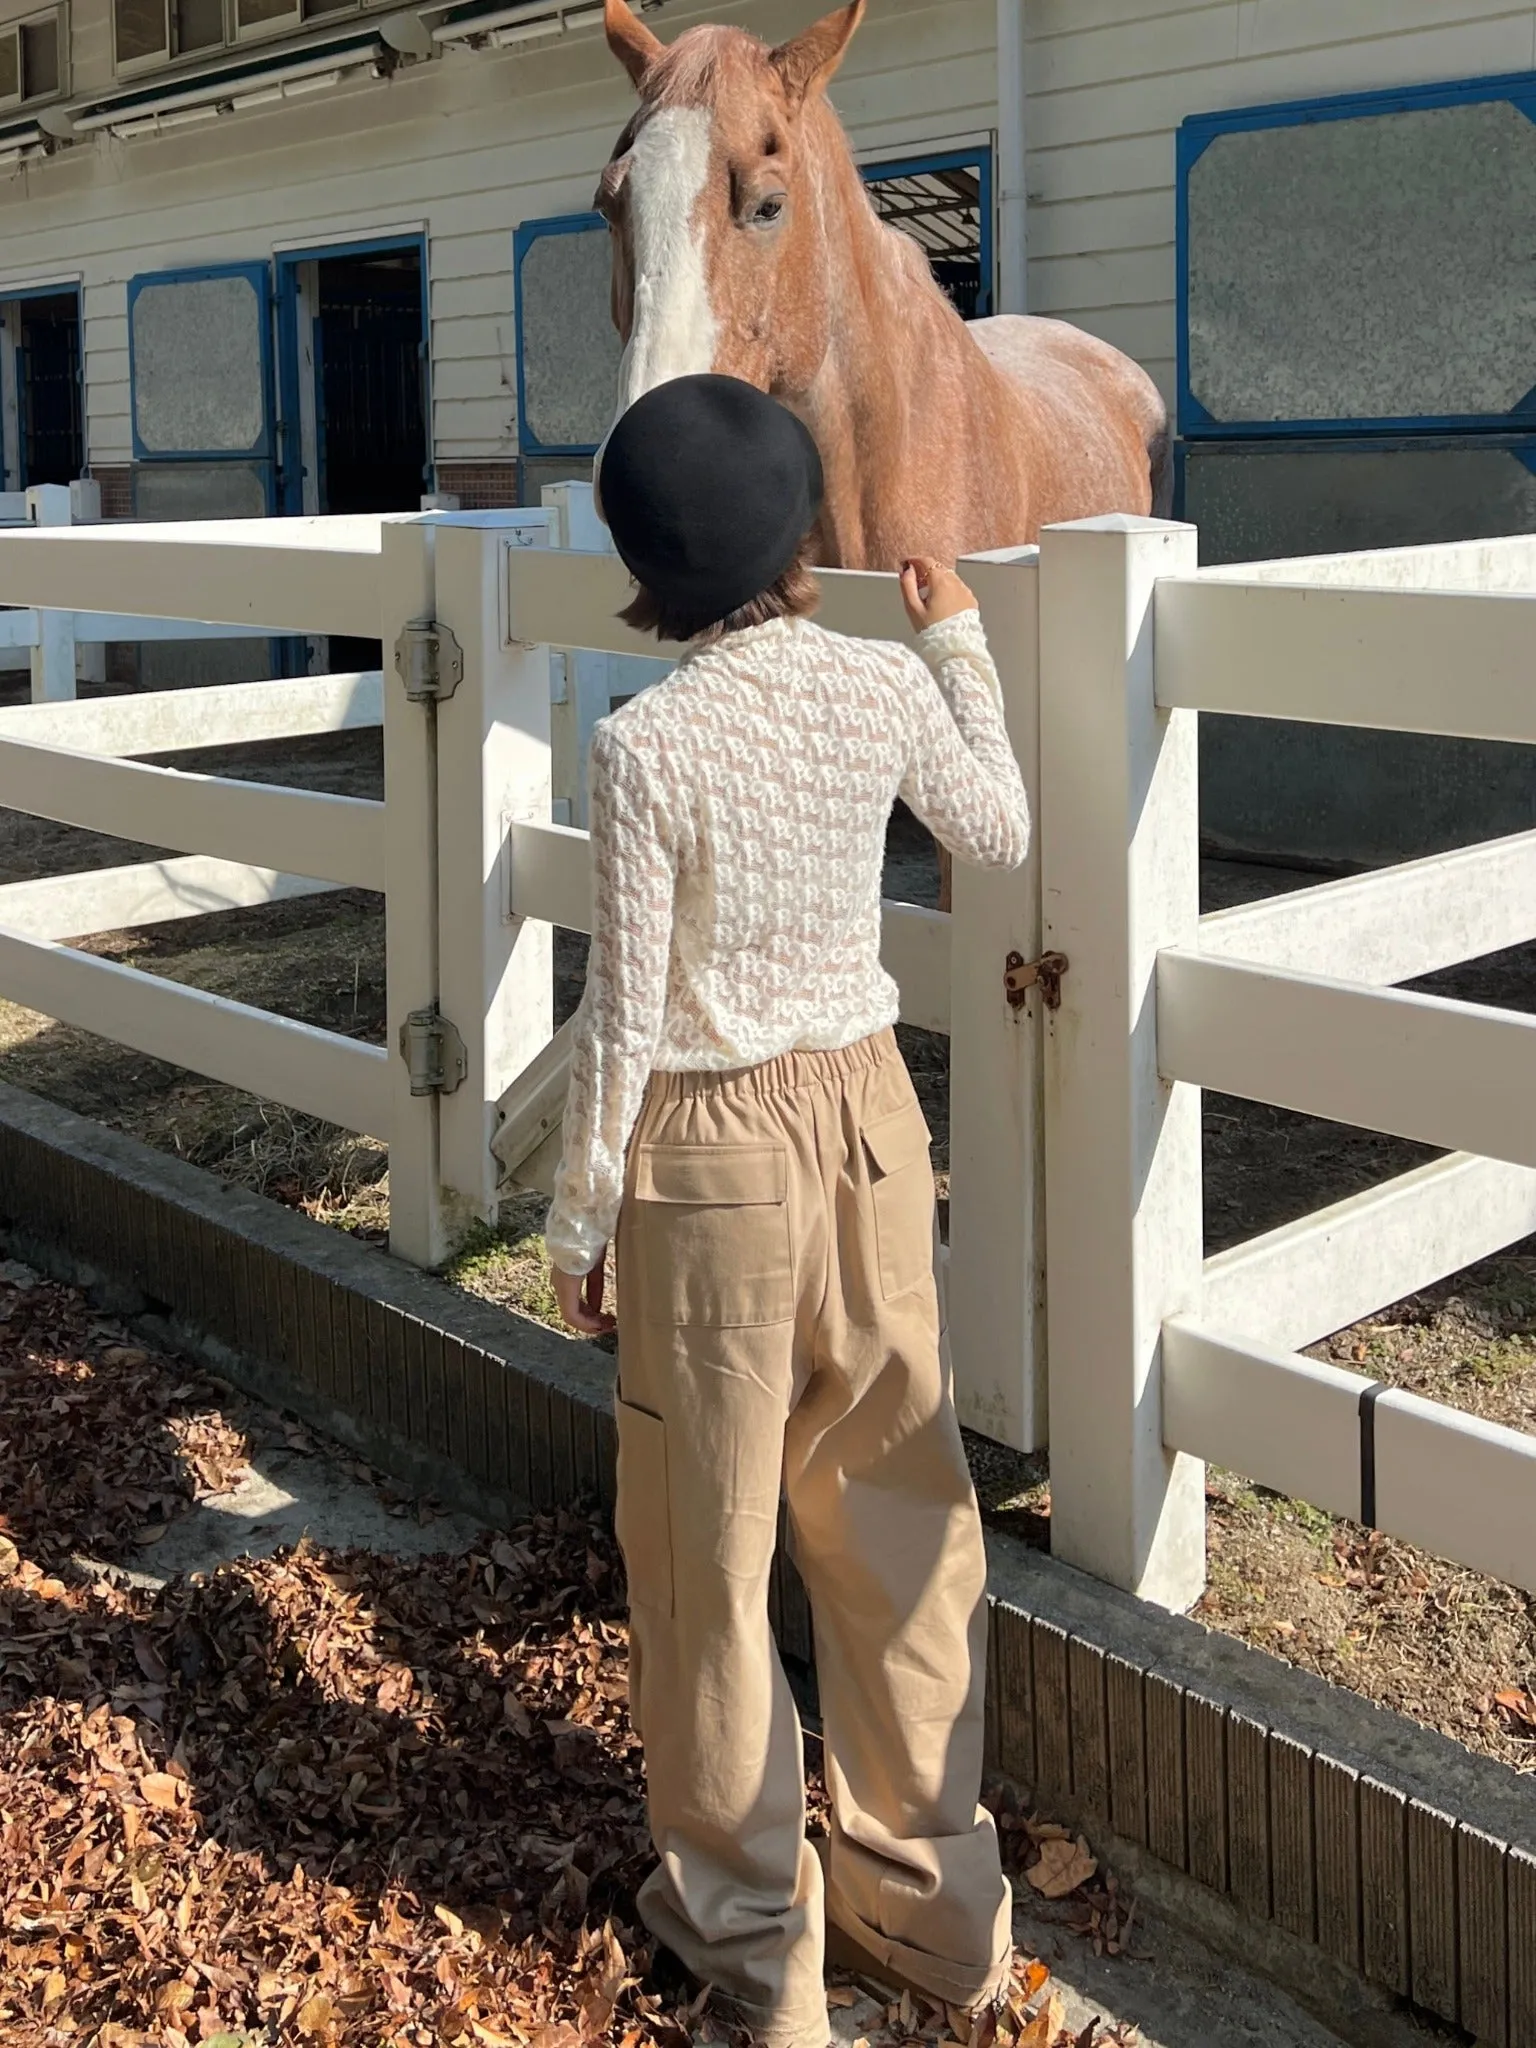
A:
(15, 298)
(286, 265)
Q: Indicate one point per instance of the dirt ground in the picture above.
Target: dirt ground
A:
(1455, 1651)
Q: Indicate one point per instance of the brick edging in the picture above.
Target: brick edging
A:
(1331, 1843)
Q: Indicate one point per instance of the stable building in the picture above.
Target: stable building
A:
(315, 255)
(284, 256)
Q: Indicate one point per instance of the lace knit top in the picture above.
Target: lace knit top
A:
(738, 819)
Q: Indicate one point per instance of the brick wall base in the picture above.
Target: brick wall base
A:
(116, 483)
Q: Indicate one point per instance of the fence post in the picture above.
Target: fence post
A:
(1120, 875)
(85, 510)
(53, 658)
(496, 975)
(996, 1234)
(419, 1230)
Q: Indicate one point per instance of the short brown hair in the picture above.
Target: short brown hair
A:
(792, 596)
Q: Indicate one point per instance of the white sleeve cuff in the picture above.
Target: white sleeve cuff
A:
(960, 635)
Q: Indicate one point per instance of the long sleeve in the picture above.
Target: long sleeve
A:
(963, 781)
(620, 1019)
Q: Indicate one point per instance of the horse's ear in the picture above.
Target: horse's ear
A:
(629, 39)
(806, 63)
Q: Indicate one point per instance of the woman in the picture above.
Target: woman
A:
(738, 1108)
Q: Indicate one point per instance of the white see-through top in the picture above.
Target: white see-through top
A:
(738, 819)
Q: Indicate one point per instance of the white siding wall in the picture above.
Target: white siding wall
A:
(466, 147)
(1110, 81)
(470, 146)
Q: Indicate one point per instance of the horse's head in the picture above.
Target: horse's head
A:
(714, 199)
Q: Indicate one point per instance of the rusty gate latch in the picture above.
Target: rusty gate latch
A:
(1021, 975)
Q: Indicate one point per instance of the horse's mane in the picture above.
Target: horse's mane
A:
(689, 73)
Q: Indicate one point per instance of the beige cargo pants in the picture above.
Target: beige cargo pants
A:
(779, 1329)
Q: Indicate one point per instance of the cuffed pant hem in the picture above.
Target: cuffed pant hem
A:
(769, 2028)
(957, 1984)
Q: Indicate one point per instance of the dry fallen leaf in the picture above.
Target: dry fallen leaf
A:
(842, 1995)
(1045, 2029)
(161, 1790)
(316, 2014)
(1035, 1976)
(1061, 1868)
(10, 1557)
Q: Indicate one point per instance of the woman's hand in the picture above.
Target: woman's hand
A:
(579, 1297)
(932, 592)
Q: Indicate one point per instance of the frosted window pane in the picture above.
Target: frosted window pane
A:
(570, 347)
(197, 366)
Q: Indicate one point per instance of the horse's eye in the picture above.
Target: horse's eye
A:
(768, 211)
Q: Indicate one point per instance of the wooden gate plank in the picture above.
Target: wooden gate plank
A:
(1336, 1811)
(1484, 1937)
(1248, 1814)
(1292, 1836)
(1432, 1907)
(1090, 1730)
(1127, 1748)
(1520, 1880)
(1167, 1825)
(1205, 1738)
(1384, 1884)
(1014, 1688)
(1053, 1728)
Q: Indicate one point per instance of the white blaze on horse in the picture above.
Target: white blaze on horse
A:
(744, 242)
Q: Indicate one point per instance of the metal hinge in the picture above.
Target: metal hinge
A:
(434, 1052)
(1021, 975)
(429, 660)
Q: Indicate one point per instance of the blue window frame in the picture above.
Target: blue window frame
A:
(1197, 136)
(583, 271)
(972, 294)
(218, 338)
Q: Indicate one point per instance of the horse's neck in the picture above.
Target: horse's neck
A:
(888, 324)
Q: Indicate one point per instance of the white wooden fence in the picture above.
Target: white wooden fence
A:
(1160, 1358)
(1084, 1115)
(453, 778)
(58, 647)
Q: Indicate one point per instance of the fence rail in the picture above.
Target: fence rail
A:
(1449, 1482)
(60, 645)
(1376, 658)
(320, 577)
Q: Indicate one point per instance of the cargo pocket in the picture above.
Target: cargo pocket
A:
(901, 1189)
(643, 1518)
(711, 1233)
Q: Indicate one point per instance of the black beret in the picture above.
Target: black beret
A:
(708, 487)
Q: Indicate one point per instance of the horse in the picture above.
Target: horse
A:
(744, 241)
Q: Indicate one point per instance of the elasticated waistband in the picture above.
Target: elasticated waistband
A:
(786, 1074)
